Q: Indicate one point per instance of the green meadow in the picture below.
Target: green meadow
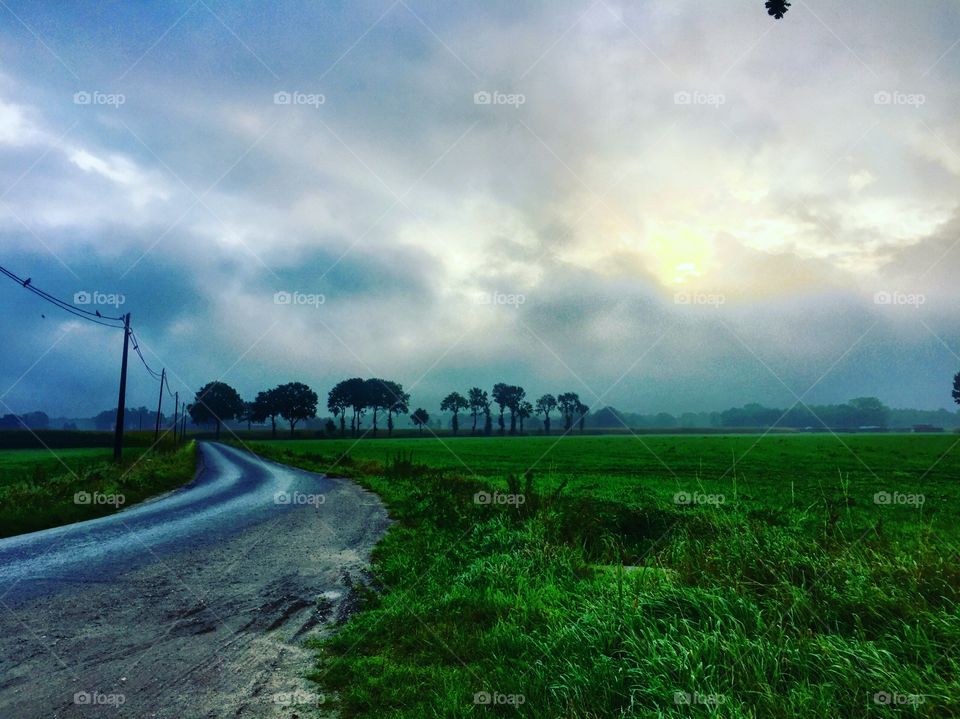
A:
(41, 488)
(651, 576)
(18, 465)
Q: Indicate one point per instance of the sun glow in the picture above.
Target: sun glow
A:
(678, 253)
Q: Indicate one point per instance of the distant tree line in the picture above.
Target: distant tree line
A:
(512, 398)
(860, 412)
(217, 402)
(356, 396)
(353, 399)
(134, 418)
(863, 412)
(28, 420)
(350, 400)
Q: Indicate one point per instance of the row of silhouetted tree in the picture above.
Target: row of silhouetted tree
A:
(352, 399)
(356, 397)
(507, 397)
(217, 402)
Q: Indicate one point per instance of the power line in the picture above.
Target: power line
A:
(28, 284)
(83, 314)
(136, 346)
(95, 317)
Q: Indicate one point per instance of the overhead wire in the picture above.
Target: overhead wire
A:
(136, 346)
(94, 316)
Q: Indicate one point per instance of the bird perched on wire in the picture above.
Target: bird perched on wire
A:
(777, 8)
(26, 282)
(98, 313)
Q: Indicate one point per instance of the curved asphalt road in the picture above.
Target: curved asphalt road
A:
(232, 490)
(230, 571)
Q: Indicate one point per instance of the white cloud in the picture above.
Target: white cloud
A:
(596, 198)
(139, 186)
(860, 180)
(15, 128)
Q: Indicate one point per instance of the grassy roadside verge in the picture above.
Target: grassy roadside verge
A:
(566, 605)
(38, 492)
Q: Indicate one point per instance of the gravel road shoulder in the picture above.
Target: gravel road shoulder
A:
(213, 632)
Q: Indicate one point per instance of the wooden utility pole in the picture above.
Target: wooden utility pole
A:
(176, 414)
(122, 400)
(156, 432)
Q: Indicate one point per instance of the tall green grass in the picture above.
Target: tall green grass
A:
(39, 490)
(580, 603)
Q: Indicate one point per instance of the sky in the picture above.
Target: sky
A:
(661, 205)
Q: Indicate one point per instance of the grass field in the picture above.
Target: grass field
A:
(41, 488)
(18, 465)
(653, 577)
(55, 439)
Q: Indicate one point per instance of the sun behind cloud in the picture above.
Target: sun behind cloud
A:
(678, 253)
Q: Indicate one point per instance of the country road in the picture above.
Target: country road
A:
(194, 604)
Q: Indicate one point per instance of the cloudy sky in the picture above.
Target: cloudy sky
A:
(662, 205)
